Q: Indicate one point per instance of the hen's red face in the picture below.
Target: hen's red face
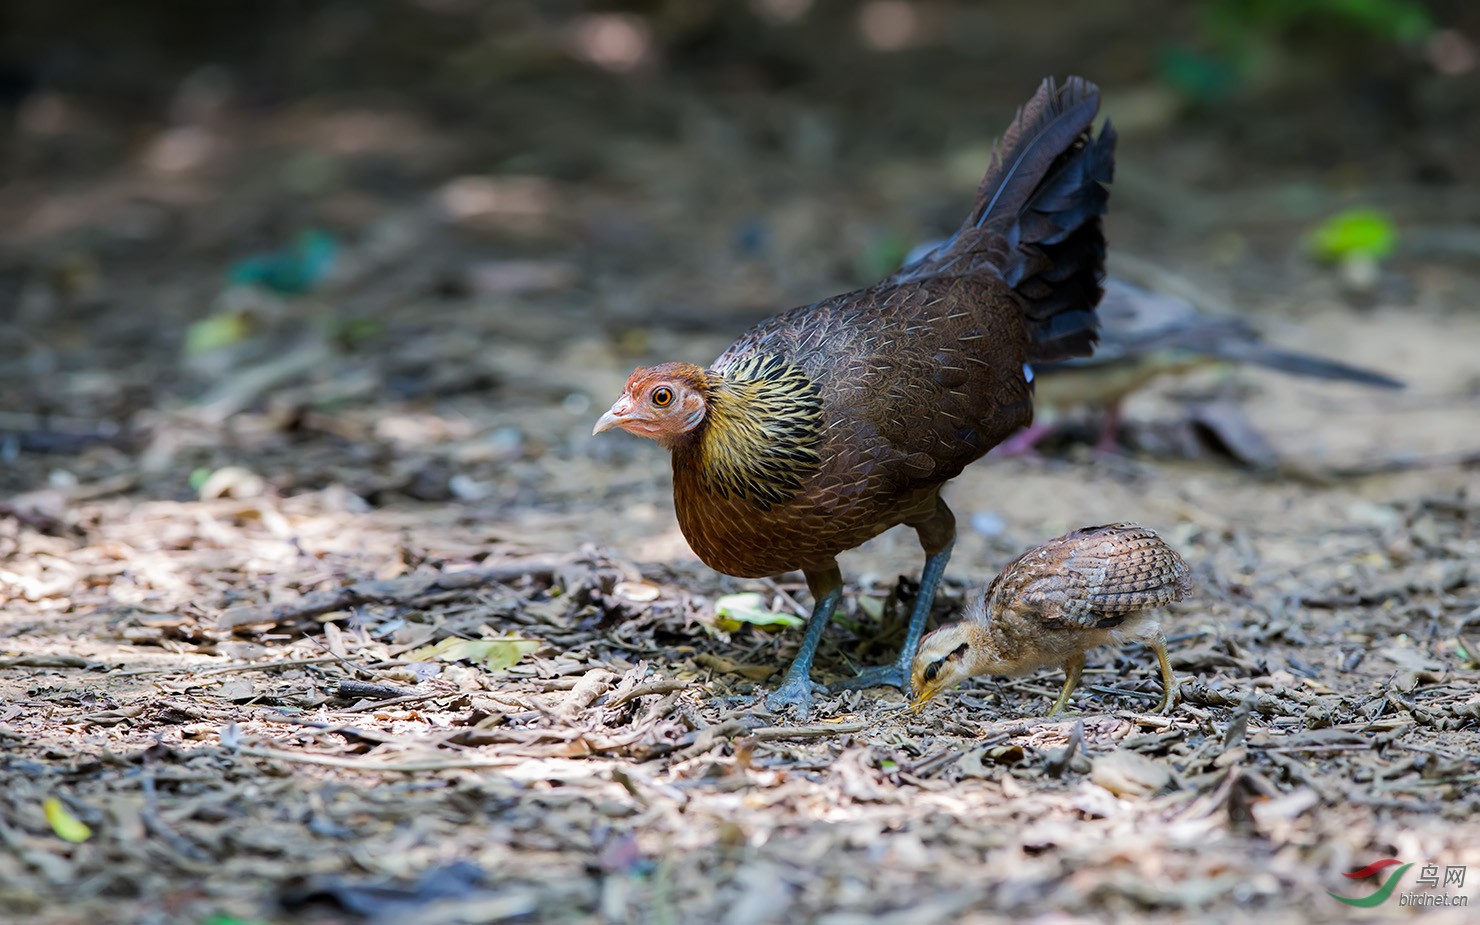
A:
(661, 403)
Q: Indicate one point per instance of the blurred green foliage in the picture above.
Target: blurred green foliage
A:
(292, 271)
(1235, 22)
(1236, 34)
(882, 256)
(1364, 234)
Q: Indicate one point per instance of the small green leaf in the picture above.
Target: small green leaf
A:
(215, 332)
(495, 654)
(732, 610)
(67, 826)
(1394, 20)
(1356, 234)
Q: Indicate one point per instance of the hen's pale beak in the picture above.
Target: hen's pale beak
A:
(617, 415)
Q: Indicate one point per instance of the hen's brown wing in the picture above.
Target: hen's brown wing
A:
(917, 380)
(1093, 577)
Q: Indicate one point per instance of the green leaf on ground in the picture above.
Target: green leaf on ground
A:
(733, 610)
(215, 332)
(1356, 234)
(67, 826)
(495, 654)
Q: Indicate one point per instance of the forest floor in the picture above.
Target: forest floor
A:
(233, 521)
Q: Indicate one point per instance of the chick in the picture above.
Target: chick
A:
(1055, 602)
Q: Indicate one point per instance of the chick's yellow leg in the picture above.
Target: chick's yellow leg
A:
(1072, 669)
(1168, 681)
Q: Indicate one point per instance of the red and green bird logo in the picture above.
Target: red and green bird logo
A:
(1383, 891)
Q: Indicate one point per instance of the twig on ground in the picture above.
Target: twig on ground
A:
(48, 661)
(711, 736)
(393, 701)
(817, 731)
(1293, 749)
(349, 689)
(660, 686)
(228, 669)
(393, 591)
(592, 684)
(1401, 785)
(395, 767)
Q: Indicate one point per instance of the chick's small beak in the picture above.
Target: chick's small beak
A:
(923, 695)
(617, 415)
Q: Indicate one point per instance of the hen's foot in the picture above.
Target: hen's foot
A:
(878, 676)
(794, 695)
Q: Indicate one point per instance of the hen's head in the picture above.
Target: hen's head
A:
(662, 403)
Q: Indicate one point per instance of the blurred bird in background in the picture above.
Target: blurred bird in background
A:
(1145, 335)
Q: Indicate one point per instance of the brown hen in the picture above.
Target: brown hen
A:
(1053, 604)
(827, 425)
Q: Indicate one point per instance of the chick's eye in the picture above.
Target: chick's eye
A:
(932, 670)
(662, 396)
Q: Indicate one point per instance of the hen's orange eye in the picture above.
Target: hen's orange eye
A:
(662, 396)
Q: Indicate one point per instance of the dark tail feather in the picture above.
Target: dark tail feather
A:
(1036, 220)
(1301, 364)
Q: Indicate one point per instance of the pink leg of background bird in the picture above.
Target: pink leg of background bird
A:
(1024, 442)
